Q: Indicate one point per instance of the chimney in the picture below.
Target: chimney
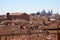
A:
(8, 16)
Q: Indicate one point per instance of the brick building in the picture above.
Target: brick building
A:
(20, 16)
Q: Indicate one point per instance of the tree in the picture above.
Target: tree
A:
(49, 13)
(43, 13)
(38, 13)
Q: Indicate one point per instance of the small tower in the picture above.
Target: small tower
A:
(8, 16)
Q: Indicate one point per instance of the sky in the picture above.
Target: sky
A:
(29, 6)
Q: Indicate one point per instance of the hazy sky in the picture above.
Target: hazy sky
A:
(29, 6)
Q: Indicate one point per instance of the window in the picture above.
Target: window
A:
(5, 37)
(0, 37)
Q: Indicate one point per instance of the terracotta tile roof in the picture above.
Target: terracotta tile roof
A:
(51, 26)
(10, 30)
(53, 31)
(16, 13)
